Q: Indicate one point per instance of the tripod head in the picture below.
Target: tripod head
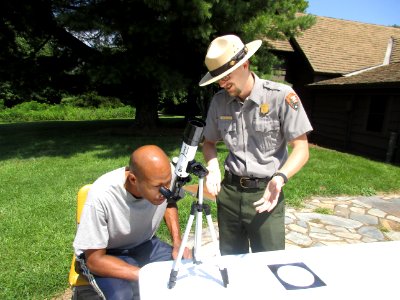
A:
(197, 169)
(178, 193)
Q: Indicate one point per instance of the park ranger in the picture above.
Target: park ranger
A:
(256, 119)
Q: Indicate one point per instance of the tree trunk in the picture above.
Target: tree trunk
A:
(146, 111)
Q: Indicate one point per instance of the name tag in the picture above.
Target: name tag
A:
(225, 117)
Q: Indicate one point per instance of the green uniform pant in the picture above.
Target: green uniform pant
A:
(240, 226)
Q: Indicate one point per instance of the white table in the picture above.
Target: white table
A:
(357, 271)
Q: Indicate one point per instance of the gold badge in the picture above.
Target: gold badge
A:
(225, 117)
(264, 108)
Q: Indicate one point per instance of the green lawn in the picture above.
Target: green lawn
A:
(43, 164)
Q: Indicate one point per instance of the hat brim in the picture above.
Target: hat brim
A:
(252, 47)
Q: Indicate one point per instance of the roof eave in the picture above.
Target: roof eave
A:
(378, 85)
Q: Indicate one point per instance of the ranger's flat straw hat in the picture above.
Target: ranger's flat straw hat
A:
(224, 55)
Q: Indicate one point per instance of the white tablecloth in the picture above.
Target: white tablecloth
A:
(357, 271)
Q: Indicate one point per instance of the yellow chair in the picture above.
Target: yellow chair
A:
(80, 286)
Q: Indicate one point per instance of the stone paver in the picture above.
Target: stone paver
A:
(349, 220)
(353, 220)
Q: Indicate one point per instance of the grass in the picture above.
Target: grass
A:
(323, 211)
(43, 165)
(333, 173)
(383, 229)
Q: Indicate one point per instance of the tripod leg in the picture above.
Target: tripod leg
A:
(198, 234)
(199, 222)
(224, 275)
(223, 271)
(177, 262)
(212, 233)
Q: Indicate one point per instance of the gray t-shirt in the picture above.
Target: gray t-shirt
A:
(113, 219)
(257, 130)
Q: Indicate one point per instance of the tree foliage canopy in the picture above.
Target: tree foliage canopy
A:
(133, 49)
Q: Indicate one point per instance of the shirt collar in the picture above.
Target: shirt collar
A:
(256, 92)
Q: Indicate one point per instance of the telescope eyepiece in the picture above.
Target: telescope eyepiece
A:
(165, 192)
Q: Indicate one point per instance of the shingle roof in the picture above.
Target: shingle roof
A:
(388, 75)
(336, 46)
(395, 56)
(280, 45)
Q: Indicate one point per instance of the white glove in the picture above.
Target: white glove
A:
(213, 179)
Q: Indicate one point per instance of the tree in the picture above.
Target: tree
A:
(136, 49)
(37, 53)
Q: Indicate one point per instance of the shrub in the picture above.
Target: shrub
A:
(26, 107)
(35, 111)
(93, 100)
(7, 95)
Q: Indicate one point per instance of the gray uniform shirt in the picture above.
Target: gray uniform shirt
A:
(257, 130)
(113, 219)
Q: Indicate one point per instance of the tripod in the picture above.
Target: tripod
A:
(197, 209)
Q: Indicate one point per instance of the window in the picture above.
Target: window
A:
(376, 113)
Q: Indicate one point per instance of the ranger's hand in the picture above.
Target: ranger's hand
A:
(271, 195)
(213, 179)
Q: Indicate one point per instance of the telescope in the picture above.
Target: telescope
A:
(185, 163)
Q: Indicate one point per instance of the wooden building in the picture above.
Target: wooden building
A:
(360, 114)
(347, 74)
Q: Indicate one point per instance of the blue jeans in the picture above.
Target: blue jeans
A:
(150, 251)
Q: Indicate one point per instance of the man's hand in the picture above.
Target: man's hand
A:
(271, 195)
(213, 179)
(187, 254)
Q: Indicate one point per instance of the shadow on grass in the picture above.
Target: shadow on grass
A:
(113, 138)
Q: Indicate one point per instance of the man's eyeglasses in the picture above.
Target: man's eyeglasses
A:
(225, 78)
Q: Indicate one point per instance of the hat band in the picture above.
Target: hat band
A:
(225, 67)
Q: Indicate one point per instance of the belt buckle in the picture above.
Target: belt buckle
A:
(242, 179)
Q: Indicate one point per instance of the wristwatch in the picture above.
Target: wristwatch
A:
(285, 179)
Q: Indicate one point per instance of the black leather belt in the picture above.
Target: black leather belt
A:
(245, 181)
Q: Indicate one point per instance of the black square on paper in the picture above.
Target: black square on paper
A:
(317, 281)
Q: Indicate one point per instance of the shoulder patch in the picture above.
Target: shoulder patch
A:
(293, 100)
